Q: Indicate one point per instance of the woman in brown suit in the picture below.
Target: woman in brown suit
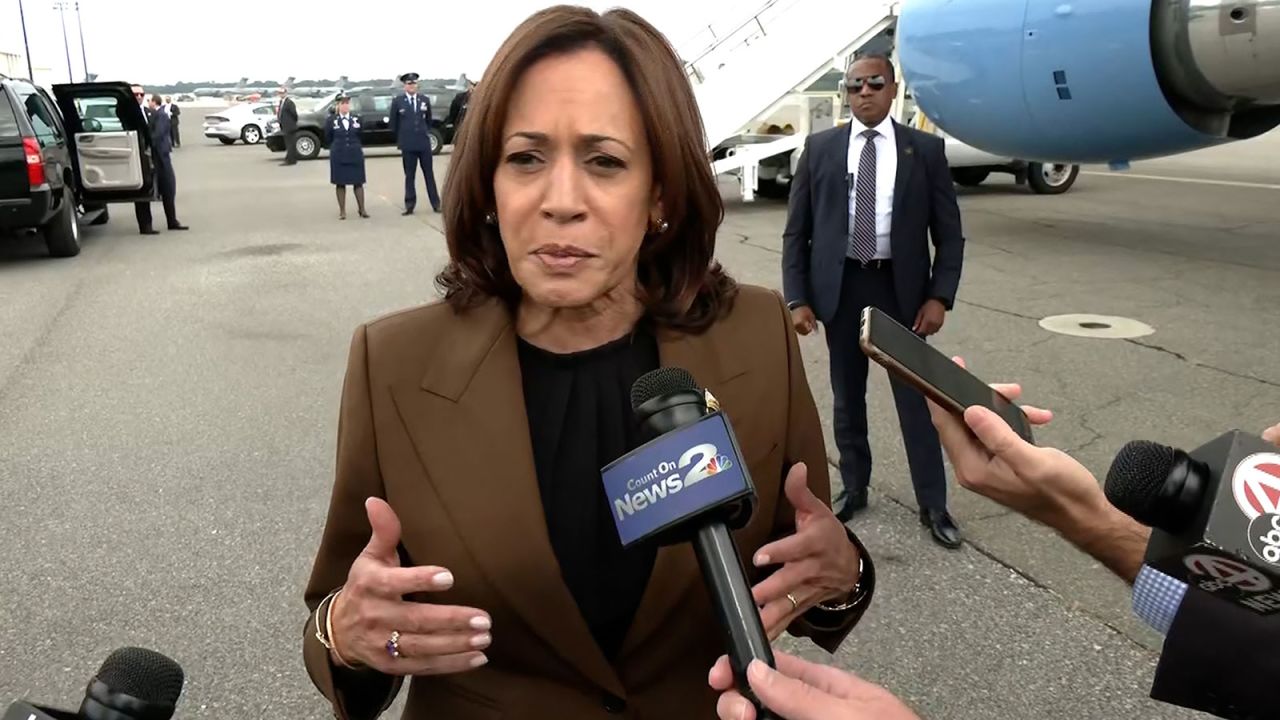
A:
(469, 544)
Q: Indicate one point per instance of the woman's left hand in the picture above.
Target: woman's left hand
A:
(819, 563)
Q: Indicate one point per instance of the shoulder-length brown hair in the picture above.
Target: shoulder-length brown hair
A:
(681, 285)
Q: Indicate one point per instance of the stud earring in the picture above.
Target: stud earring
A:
(663, 226)
(491, 217)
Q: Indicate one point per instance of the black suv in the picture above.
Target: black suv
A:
(373, 107)
(61, 163)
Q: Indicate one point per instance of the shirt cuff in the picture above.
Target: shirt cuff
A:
(1157, 597)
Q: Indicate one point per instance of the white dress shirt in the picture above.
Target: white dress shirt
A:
(886, 174)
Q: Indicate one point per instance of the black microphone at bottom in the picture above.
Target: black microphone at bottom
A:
(132, 684)
(688, 483)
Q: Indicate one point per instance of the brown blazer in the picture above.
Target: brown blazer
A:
(433, 420)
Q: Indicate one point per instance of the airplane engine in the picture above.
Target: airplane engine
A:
(1093, 81)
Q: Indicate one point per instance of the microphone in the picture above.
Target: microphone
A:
(1214, 513)
(132, 684)
(688, 483)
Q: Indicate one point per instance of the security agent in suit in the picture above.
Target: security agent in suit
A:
(287, 114)
(175, 121)
(346, 154)
(411, 124)
(161, 167)
(865, 202)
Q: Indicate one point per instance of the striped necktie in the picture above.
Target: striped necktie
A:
(862, 238)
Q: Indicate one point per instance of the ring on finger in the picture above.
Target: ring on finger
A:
(795, 604)
(393, 645)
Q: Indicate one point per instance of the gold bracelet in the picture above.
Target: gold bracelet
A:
(328, 623)
(856, 596)
(320, 635)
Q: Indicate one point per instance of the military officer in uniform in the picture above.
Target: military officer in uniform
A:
(346, 155)
(411, 124)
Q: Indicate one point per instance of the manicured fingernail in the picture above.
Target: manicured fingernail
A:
(481, 622)
(481, 640)
(443, 580)
(762, 559)
(757, 671)
(743, 706)
(478, 661)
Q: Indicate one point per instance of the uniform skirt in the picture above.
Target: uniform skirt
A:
(346, 173)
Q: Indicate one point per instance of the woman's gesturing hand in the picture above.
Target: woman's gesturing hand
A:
(819, 563)
(374, 626)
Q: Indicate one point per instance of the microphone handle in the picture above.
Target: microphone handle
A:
(736, 609)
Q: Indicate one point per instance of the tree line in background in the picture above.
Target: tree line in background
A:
(186, 87)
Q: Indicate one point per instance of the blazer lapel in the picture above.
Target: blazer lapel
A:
(675, 571)
(841, 170)
(906, 163)
(468, 422)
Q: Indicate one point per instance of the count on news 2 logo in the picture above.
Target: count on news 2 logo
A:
(666, 479)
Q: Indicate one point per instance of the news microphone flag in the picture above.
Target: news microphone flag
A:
(674, 478)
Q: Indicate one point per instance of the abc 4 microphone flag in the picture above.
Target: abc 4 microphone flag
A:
(674, 478)
(1232, 550)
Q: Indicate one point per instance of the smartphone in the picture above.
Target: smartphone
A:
(914, 361)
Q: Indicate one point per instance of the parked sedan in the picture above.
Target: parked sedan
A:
(246, 122)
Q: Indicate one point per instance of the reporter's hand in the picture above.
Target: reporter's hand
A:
(1044, 484)
(930, 318)
(804, 320)
(434, 639)
(801, 690)
(1272, 434)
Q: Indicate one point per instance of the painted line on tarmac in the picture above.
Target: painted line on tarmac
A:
(1192, 181)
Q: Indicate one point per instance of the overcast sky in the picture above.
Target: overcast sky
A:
(161, 41)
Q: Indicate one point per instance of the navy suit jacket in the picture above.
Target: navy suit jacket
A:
(411, 129)
(1220, 659)
(161, 133)
(815, 240)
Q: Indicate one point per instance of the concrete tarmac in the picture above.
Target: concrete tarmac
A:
(168, 408)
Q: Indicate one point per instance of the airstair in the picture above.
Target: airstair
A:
(756, 67)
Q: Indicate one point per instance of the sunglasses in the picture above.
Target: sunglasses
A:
(877, 83)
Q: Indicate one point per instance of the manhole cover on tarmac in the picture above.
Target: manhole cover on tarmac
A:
(1096, 326)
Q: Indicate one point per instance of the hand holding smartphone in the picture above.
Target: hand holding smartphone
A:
(917, 363)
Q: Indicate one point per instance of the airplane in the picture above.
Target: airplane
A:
(1093, 81)
(316, 91)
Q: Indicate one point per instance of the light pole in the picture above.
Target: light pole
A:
(83, 56)
(61, 8)
(22, 16)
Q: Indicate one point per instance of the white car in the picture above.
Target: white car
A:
(246, 122)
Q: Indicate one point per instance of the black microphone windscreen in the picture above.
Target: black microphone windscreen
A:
(663, 381)
(1137, 476)
(143, 674)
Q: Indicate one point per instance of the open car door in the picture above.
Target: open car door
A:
(110, 141)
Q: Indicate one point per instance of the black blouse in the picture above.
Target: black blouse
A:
(580, 419)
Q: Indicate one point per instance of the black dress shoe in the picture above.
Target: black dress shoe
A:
(944, 529)
(850, 502)
(179, 227)
(407, 211)
(149, 231)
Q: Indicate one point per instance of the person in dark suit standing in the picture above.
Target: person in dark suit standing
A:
(175, 121)
(287, 114)
(161, 165)
(865, 202)
(411, 124)
(346, 155)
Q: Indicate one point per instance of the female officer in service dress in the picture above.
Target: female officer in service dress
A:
(346, 155)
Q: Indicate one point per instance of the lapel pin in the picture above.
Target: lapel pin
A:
(908, 151)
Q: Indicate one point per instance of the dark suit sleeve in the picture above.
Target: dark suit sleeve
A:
(1219, 658)
(805, 444)
(944, 226)
(797, 236)
(355, 694)
(328, 129)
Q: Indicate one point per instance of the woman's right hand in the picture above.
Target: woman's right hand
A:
(433, 640)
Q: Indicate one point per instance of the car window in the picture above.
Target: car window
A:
(8, 121)
(382, 103)
(42, 117)
(264, 110)
(102, 111)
